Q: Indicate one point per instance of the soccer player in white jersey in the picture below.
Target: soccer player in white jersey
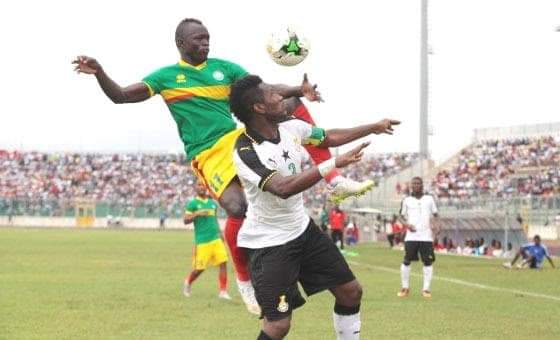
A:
(283, 244)
(416, 214)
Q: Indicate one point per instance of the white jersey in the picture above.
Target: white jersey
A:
(270, 219)
(418, 212)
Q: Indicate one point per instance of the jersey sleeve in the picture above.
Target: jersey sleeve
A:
(309, 134)
(153, 81)
(236, 72)
(403, 210)
(190, 207)
(248, 165)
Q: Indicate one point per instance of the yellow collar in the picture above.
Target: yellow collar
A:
(198, 67)
(204, 200)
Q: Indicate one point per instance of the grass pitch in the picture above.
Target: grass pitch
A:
(68, 284)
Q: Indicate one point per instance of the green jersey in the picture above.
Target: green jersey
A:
(198, 98)
(206, 228)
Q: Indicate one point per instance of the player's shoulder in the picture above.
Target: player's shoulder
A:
(428, 195)
(222, 62)
(166, 68)
(243, 143)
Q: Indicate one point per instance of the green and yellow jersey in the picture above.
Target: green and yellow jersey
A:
(198, 98)
(206, 228)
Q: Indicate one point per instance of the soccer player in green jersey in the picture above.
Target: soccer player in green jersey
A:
(196, 91)
(209, 249)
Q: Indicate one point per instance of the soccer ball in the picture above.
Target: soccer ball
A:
(287, 48)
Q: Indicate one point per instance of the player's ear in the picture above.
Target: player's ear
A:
(259, 108)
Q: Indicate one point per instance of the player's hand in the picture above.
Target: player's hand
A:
(309, 91)
(352, 156)
(411, 228)
(385, 126)
(87, 65)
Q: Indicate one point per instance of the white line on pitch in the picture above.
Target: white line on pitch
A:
(462, 282)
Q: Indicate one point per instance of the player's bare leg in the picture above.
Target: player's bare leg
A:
(234, 203)
(222, 279)
(187, 286)
(346, 316)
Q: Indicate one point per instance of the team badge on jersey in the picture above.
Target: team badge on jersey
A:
(283, 305)
(181, 78)
(218, 75)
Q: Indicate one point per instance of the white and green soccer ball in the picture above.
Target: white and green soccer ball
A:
(287, 48)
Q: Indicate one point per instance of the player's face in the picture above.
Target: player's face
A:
(417, 186)
(537, 240)
(201, 190)
(274, 105)
(195, 42)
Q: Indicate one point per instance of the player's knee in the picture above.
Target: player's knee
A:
(427, 263)
(277, 329)
(349, 294)
(406, 262)
(356, 294)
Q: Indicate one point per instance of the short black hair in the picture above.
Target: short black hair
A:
(418, 178)
(182, 24)
(244, 94)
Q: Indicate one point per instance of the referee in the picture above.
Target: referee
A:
(416, 213)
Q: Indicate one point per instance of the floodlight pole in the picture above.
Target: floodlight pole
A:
(423, 149)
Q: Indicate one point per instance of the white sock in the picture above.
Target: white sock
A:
(428, 271)
(405, 275)
(347, 327)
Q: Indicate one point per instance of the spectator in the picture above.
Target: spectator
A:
(337, 221)
(352, 233)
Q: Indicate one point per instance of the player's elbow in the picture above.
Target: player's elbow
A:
(282, 191)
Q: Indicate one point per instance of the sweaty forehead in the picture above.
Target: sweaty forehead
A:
(194, 28)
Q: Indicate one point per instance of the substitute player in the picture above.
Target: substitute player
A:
(416, 215)
(196, 91)
(209, 249)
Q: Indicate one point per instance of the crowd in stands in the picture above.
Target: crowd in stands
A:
(502, 169)
(48, 180)
(45, 181)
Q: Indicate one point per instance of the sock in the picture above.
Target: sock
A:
(263, 336)
(428, 271)
(239, 258)
(347, 322)
(318, 155)
(405, 275)
(223, 281)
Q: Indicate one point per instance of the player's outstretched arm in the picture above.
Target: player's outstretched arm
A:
(286, 186)
(550, 260)
(130, 94)
(337, 137)
(306, 89)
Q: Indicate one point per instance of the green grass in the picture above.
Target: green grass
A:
(68, 284)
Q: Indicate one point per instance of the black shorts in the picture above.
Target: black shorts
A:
(424, 248)
(311, 259)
